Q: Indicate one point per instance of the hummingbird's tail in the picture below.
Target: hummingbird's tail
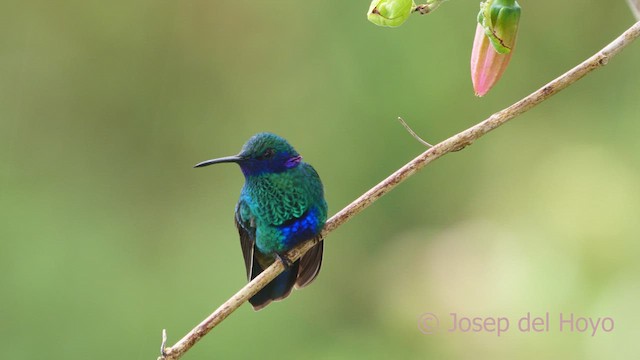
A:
(301, 273)
(277, 289)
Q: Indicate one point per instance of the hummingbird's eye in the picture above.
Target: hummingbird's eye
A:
(268, 154)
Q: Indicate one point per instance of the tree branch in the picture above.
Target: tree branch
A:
(454, 143)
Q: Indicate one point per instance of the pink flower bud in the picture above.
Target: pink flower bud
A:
(494, 42)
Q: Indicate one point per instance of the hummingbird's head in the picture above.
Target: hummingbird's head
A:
(263, 153)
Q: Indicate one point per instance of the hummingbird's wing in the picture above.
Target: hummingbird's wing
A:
(246, 229)
(255, 262)
(311, 262)
(310, 265)
(306, 202)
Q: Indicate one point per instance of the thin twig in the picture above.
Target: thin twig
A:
(164, 341)
(635, 8)
(456, 142)
(413, 133)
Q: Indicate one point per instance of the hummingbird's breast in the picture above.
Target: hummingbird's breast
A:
(288, 207)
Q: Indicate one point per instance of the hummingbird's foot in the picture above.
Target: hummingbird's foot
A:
(284, 260)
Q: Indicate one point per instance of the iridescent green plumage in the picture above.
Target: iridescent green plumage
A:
(272, 199)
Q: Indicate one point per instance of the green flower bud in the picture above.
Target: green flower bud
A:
(390, 13)
(500, 19)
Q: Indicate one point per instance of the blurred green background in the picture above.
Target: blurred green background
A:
(108, 235)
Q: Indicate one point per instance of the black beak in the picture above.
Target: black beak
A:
(228, 159)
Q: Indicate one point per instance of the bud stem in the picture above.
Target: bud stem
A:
(427, 8)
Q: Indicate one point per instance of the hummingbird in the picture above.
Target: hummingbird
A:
(281, 204)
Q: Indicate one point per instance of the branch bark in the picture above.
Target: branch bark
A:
(454, 143)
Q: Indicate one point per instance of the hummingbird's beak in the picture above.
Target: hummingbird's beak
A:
(227, 159)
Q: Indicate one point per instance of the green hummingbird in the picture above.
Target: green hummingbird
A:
(281, 204)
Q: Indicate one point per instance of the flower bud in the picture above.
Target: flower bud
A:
(493, 44)
(390, 13)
